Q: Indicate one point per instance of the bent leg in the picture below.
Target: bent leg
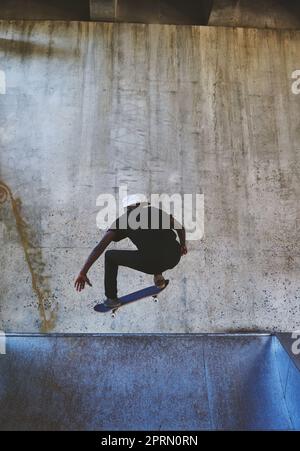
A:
(131, 259)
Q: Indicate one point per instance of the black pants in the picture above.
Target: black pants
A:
(149, 264)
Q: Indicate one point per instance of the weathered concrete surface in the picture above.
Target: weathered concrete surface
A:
(242, 13)
(154, 11)
(170, 382)
(104, 10)
(91, 106)
(45, 9)
(256, 13)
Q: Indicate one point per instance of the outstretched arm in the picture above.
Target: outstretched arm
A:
(82, 278)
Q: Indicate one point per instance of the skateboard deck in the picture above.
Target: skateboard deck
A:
(153, 291)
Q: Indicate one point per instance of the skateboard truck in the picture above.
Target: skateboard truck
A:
(114, 311)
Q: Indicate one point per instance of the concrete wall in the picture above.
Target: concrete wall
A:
(89, 106)
(256, 13)
(242, 13)
(45, 9)
(152, 11)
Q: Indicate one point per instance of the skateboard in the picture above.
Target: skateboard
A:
(153, 291)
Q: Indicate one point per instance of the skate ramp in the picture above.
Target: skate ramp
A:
(148, 382)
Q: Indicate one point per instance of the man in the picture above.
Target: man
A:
(152, 231)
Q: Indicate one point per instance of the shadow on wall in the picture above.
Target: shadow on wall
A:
(256, 13)
(25, 48)
(188, 12)
(144, 11)
(236, 13)
(45, 9)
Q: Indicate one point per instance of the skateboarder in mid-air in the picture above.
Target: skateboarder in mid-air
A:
(152, 232)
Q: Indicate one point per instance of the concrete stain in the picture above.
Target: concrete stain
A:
(34, 261)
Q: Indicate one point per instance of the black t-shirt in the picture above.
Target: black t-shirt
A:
(149, 228)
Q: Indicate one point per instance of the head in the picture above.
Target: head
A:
(132, 207)
(133, 201)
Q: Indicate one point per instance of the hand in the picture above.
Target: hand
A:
(183, 249)
(80, 282)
